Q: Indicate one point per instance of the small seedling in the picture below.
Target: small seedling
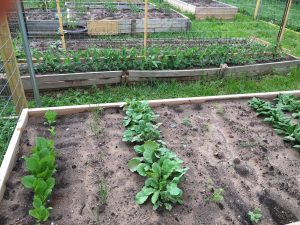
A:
(255, 216)
(221, 111)
(206, 127)
(103, 192)
(216, 193)
(217, 196)
(50, 117)
(186, 122)
(96, 120)
(52, 131)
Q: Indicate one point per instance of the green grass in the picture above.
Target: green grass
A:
(271, 11)
(8, 122)
(174, 89)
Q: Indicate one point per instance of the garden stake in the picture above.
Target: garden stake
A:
(61, 28)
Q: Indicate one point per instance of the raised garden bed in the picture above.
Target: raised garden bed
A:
(208, 61)
(205, 9)
(219, 138)
(109, 19)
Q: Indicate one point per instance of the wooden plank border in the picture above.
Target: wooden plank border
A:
(12, 150)
(10, 156)
(60, 81)
(223, 71)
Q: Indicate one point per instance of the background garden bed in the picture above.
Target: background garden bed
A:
(226, 142)
(206, 9)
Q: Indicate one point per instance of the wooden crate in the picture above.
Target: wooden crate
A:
(103, 27)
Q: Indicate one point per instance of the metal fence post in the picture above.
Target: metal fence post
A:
(28, 54)
(11, 67)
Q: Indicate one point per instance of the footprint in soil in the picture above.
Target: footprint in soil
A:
(279, 214)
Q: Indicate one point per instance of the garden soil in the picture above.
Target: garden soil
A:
(226, 146)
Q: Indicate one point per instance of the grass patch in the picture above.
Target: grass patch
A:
(173, 89)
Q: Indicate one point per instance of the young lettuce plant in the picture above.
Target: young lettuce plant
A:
(50, 117)
(41, 165)
(162, 183)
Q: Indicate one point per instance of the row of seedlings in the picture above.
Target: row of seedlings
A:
(281, 122)
(41, 167)
(160, 166)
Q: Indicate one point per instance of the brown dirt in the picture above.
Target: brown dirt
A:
(226, 143)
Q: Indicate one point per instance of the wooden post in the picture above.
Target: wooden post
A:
(61, 27)
(257, 7)
(145, 25)
(11, 67)
(284, 21)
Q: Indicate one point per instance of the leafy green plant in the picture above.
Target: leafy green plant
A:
(137, 111)
(216, 195)
(255, 216)
(162, 182)
(142, 131)
(157, 58)
(52, 131)
(281, 123)
(134, 8)
(110, 7)
(159, 165)
(50, 117)
(41, 165)
(186, 122)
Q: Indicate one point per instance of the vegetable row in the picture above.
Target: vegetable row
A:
(281, 122)
(157, 58)
(41, 167)
(162, 169)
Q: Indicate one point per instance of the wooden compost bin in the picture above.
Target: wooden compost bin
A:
(225, 11)
(13, 148)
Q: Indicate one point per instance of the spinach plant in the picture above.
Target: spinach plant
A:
(41, 165)
(255, 216)
(50, 117)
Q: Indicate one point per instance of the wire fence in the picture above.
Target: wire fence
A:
(12, 97)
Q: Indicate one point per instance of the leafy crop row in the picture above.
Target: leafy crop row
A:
(160, 166)
(41, 166)
(275, 115)
(157, 58)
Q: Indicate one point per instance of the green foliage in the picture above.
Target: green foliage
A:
(41, 165)
(139, 122)
(103, 192)
(282, 124)
(157, 58)
(255, 216)
(159, 165)
(110, 7)
(137, 111)
(186, 122)
(52, 131)
(216, 195)
(141, 131)
(50, 117)
(95, 124)
(134, 8)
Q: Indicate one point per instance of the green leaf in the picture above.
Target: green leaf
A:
(133, 164)
(168, 206)
(37, 202)
(173, 189)
(154, 197)
(28, 181)
(156, 170)
(142, 169)
(151, 182)
(143, 195)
